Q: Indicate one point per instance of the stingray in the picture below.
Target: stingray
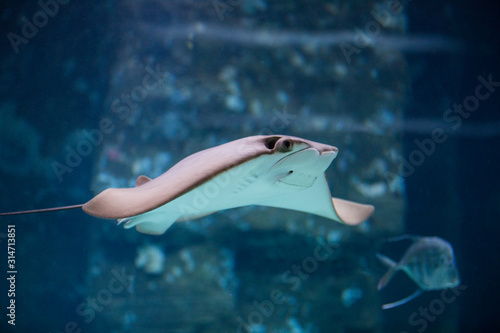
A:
(275, 171)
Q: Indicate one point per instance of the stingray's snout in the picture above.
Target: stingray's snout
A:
(333, 151)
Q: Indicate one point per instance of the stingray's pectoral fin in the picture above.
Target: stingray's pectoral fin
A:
(352, 213)
(153, 228)
(153, 224)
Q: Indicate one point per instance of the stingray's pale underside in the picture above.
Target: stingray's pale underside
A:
(275, 171)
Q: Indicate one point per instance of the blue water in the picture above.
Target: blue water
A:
(413, 109)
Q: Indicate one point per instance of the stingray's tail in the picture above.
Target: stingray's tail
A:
(43, 210)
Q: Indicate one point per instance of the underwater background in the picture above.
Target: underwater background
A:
(94, 94)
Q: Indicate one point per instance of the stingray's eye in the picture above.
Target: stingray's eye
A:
(286, 145)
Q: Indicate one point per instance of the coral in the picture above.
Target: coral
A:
(151, 259)
(351, 295)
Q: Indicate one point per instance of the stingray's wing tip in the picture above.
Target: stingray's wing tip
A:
(352, 213)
